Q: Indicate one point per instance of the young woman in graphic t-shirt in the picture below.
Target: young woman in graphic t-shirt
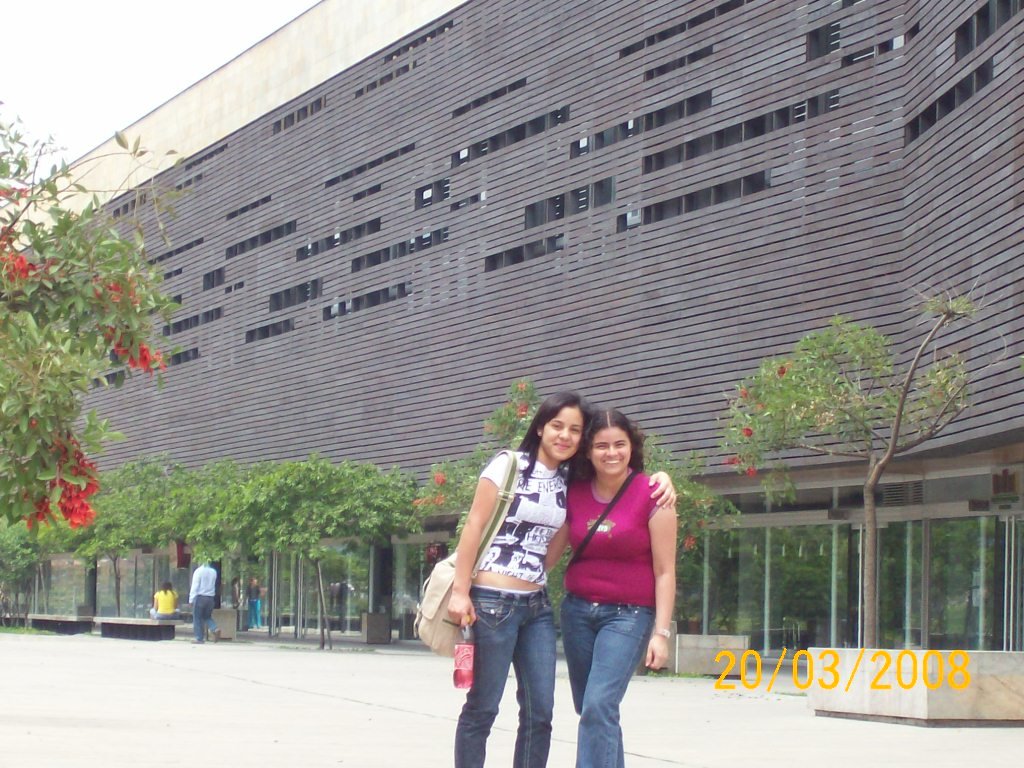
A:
(507, 602)
(620, 587)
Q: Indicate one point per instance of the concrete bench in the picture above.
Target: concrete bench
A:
(698, 654)
(136, 629)
(900, 692)
(62, 625)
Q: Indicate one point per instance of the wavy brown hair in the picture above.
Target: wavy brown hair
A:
(603, 419)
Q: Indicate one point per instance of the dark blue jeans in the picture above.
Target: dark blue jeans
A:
(603, 644)
(516, 630)
(202, 616)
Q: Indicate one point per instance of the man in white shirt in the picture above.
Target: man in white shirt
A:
(202, 596)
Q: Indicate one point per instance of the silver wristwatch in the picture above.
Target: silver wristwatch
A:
(663, 632)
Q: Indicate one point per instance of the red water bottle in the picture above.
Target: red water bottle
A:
(464, 652)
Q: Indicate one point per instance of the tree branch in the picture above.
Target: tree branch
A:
(938, 423)
(944, 319)
(829, 451)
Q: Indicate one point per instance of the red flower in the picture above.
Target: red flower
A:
(689, 542)
(521, 386)
(15, 193)
(73, 503)
(41, 515)
(744, 392)
(522, 410)
(733, 460)
(17, 267)
(751, 471)
(748, 432)
(146, 360)
(439, 478)
(782, 370)
(439, 499)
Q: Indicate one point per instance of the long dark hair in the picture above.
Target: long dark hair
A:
(548, 410)
(603, 419)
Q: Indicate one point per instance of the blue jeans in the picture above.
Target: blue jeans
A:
(516, 630)
(202, 615)
(255, 613)
(603, 644)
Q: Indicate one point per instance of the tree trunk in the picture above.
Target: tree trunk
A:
(322, 607)
(869, 615)
(115, 563)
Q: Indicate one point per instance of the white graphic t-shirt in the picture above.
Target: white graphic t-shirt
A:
(537, 512)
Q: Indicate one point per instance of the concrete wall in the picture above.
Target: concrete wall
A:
(328, 38)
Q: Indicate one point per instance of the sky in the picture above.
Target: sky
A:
(83, 70)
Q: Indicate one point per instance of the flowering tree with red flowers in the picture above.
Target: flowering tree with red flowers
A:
(841, 393)
(76, 301)
(452, 483)
(450, 487)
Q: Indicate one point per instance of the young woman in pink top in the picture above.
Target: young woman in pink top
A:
(620, 585)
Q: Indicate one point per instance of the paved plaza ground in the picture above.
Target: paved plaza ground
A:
(85, 702)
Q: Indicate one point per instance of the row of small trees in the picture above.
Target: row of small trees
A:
(224, 509)
(220, 510)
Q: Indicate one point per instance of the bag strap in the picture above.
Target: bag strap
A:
(597, 523)
(506, 494)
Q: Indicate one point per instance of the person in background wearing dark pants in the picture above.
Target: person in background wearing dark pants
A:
(202, 597)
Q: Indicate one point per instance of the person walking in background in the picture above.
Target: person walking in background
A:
(165, 603)
(255, 598)
(620, 583)
(202, 596)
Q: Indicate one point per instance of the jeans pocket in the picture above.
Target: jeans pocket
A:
(633, 620)
(545, 605)
(492, 610)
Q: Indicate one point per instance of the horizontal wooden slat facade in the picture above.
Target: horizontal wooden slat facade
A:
(661, 319)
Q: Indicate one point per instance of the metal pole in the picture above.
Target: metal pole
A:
(981, 583)
(860, 586)
(705, 614)
(767, 590)
(908, 583)
(833, 630)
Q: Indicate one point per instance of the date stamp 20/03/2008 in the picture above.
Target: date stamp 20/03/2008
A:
(933, 670)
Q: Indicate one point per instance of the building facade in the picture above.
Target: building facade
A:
(640, 201)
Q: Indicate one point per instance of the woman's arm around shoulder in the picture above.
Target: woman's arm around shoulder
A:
(664, 493)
